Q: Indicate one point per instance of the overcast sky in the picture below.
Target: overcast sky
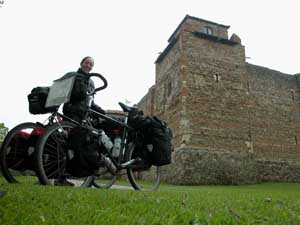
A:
(42, 40)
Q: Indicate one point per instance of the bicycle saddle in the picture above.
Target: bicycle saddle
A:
(127, 108)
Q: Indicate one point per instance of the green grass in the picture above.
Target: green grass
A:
(270, 203)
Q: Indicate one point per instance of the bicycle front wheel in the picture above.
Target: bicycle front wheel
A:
(52, 157)
(17, 153)
(104, 178)
(141, 175)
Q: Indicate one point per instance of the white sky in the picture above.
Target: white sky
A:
(42, 40)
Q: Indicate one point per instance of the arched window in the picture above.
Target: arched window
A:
(207, 30)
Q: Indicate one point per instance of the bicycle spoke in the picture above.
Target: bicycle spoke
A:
(52, 156)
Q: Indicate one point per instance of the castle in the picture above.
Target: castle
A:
(233, 122)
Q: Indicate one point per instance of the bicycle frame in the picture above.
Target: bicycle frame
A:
(130, 143)
(123, 125)
(125, 129)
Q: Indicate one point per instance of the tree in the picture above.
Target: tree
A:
(3, 132)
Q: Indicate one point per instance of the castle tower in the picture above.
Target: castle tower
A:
(202, 89)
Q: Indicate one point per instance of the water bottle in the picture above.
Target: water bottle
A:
(105, 140)
(117, 147)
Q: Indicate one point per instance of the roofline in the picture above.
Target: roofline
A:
(197, 34)
(214, 38)
(165, 51)
(194, 18)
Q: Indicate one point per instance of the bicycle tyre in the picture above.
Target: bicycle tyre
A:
(141, 179)
(105, 179)
(15, 152)
(51, 155)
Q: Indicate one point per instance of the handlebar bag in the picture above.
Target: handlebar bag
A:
(37, 100)
(60, 90)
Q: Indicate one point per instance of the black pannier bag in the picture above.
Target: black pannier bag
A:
(137, 120)
(16, 159)
(159, 137)
(37, 100)
(21, 156)
(85, 149)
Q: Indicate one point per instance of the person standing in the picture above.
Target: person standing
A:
(77, 107)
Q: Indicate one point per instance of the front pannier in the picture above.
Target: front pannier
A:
(85, 149)
(37, 100)
(159, 137)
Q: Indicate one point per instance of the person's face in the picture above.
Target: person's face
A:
(87, 65)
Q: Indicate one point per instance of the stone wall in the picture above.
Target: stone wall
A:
(274, 114)
(201, 166)
(193, 24)
(216, 101)
(233, 122)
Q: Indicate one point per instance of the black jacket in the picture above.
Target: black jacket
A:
(77, 107)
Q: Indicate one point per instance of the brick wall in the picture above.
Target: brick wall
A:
(233, 122)
(274, 114)
(216, 101)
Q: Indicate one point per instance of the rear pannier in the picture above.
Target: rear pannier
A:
(159, 137)
(37, 100)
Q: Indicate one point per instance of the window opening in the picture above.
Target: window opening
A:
(169, 88)
(293, 94)
(208, 30)
(217, 78)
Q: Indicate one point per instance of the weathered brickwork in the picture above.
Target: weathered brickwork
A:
(274, 114)
(233, 122)
(193, 24)
(216, 98)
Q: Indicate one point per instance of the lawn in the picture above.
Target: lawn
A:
(270, 203)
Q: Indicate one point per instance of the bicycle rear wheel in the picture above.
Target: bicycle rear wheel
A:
(17, 153)
(52, 157)
(141, 175)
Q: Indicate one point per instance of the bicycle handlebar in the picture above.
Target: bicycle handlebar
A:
(102, 78)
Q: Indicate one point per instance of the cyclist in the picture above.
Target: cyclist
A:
(77, 107)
